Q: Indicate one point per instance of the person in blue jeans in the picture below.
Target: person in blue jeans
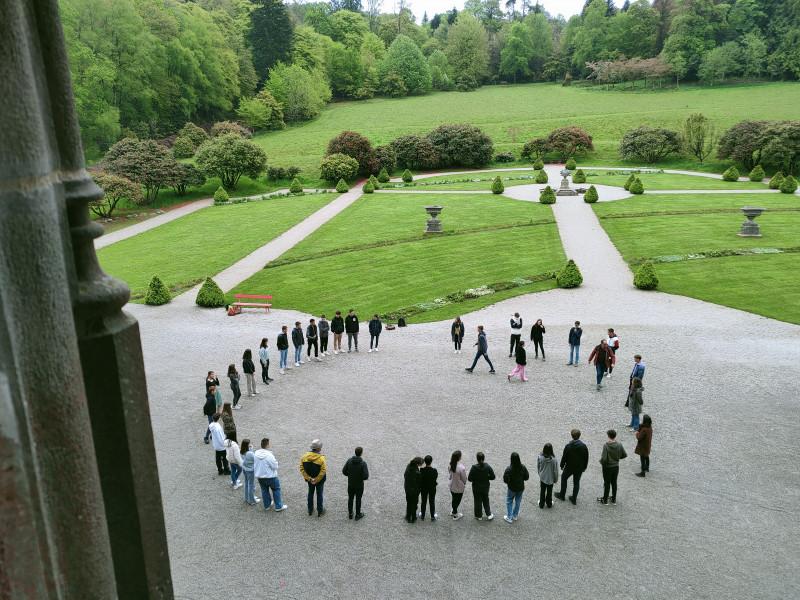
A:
(313, 468)
(248, 463)
(575, 344)
(483, 350)
(265, 469)
(298, 342)
(515, 476)
(602, 358)
(283, 348)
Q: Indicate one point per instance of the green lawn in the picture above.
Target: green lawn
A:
(670, 181)
(654, 203)
(203, 243)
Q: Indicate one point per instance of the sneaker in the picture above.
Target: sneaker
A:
(350, 516)
(614, 501)
(489, 517)
(370, 350)
(283, 372)
(206, 441)
(560, 496)
(349, 351)
(455, 351)
(508, 519)
(360, 516)
(575, 365)
(515, 518)
(509, 378)
(336, 352)
(608, 375)
(376, 349)
(603, 502)
(568, 364)
(296, 364)
(271, 505)
(467, 369)
(256, 499)
(479, 518)
(457, 516)
(237, 407)
(238, 485)
(283, 507)
(573, 500)
(642, 474)
(320, 513)
(510, 355)
(598, 387)
(434, 517)
(356, 349)
(492, 372)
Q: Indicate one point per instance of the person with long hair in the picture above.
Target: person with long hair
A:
(457, 334)
(644, 440)
(248, 464)
(547, 466)
(263, 357)
(411, 485)
(521, 359)
(635, 402)
(213, 380)
(234, 456)
(228, 424)
(457, 475)
(537, 337)
(515, 476)
(249, 369)
(233, 375)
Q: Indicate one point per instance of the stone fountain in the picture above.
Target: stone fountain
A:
(564, 189)
(750, 228)
(433, 225)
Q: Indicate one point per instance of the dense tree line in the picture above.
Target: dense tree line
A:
(146, 67)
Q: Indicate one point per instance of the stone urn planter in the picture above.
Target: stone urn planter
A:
(750, 228)
(433, 225)
(564, 189)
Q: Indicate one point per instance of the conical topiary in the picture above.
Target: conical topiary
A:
(541, 176)
(547, 196)
(732, 174)
(407, 176)
(591, 195)
(631, 178)
(757, 174)
(497, 185)
(210, 295)
(383, 176)
(374, 181)
(789, 185)
(368, 188)
(645, 277)
(221, 196)
(296, 187)
(538, 165)
(570, 164)
(776, 181)
(636, 187)
(341, 187)
(157, 292)
(570, 276)
(579, 176)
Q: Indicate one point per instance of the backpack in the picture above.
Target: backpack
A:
(401, 322)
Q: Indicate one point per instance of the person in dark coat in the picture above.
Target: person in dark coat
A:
(428, 476)
(644, 440)
(483, 350)
(356, 471)
(537, 337)
(481, 475)
(634, 402)
(602, 357)
(412, 486)
(283, 348)
(337, 327)
(574, 461)
(375, 328)
(457, 334)
(575, 344)
(324, 328)
(312, 335)
(521, 359)
(613, 452)
(209, 409)
(351, 328)
(249, 368)
(515, 476)
(298, 341)
(233, 375)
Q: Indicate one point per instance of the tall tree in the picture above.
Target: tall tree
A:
(467, 50)
(516, 53)
(663, 10)
(270, 35)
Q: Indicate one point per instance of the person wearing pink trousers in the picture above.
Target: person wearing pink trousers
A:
(521, 358)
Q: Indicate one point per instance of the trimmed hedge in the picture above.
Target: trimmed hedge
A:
(776, 181)
(757, 174)
(538, 165)
(645, 277)
(547, 196)
(631, 178)
(341, 187)
(570, 276)
(731, 174)
(579, 176)
(497, 185)
(368, 188)
(591, 195)
(461, 145)
(383, 176)
(210, 295)
(296, 187)
(636, 187)
(541, 176)
(570, 164)
(157, 293)
(407, 176)
(374, 181)
(789, 185)
(221, 196)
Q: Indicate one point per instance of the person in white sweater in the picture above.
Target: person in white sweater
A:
(234, 457)
(218, 442)
(265, 470)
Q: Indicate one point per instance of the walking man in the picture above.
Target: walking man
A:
(312, 334)
(483, 350)
(481, 476)
(356, 471)
(297, 342)
(324, 328)
(575, 344)
(351, 327)
(574, 461)
(375, 328)
(313, 468)
(337, 327)
(602, 359)
(613, 452)
(283, 348)
(218, 441)
(265, 469)
(516, 333)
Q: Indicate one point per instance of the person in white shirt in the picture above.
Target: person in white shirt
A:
(218, 441)
(234, 457)
(516, 333)
(265, 469)
(263, 357)
(613, 343)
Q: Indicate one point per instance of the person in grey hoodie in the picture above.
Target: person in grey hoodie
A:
(248, 462)
(613, 452)
(324, 328)
(265, 469)
(547, 466)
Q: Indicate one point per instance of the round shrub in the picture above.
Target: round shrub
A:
(183, 147)
(356, 146)
(296, 187)
(385, 158)
(541, 176)
(645, 277)
(374, 181)
(776, 181)
(631, 178)
(570, 164)
(538, 165)
(497, 185)
(223, 127)
(368, 188)
(407, 176)
(415, 152)
(591, 195)
(338, 166)
(789, 185)
(383, 176)
(649, 144)
(757, 174)
(547, 196)
(341, 187)
(504, 157)
(461, 145)
(579, 176)
(636, 187)
(732, 174)
(221, 196)
(570, 276)
(534, 149)
(196, 135)
(569, 141)
(210, 295)
(157, 293)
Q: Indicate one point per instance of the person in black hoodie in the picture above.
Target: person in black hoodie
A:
(312, 333)
(375, 328)
(209, 409)
(428, 476)
(457, 334)
(297, 342)
(515, 476)
(537, 337)
(249, 369)
(283, 348)
(337, 327)
(355, 469)
(351, 327)
(481, 475)
(574, 461)
(412, 485)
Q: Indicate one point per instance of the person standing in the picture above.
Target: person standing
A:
(613, 345)
(234, 456)
(351, 327)
(337, 327)
(548, 474)
(228, 425)
(248, 464)
(218, 442)
(283, 348)
(537, 337)
(644, 440)
(212, 379)
(313, 468)
(249, 369)
(613, 452)
(297, 342)
(483, 350)
(265, 469)
(427, 479)
(521, 359)
(312, 333)
(635, 402)
(457, 334)
(209, 410)
(515, 476)
(263, 357)
(412, 486)
(375, 328)
(575, 344)
(481, 476)
(356, 471)
(324, 328)
(601, 357)
(638, 368)
(574, 461)
(233, 375)
(516, 333)
(457, 475)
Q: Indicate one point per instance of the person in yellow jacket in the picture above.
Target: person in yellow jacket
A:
(313, 468)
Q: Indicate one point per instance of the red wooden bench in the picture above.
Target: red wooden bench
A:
(238, 305)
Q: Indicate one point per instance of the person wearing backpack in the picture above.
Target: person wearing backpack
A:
(515, 476)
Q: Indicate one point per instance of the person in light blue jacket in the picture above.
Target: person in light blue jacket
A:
(248, 462)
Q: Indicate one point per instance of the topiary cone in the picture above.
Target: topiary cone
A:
(341, 187)
(296, 187)
(541, 176)
(645, 277)
(221, 196)
(570, 276)
(538, 165)
(570, 164)
(591, 195)
(579, 176)
(157, 292)
(636, 187)
(383, 176)
(629, 181)
(789, 185)
(210, 295)
(497, 185)
(368, 188)
(731, 174)
(547, 196)
(757, 174)
(776, 181)
(374, 181)
(407, 176)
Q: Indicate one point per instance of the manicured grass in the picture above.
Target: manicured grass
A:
(203, 243)
(654, 203)
(671, 181)
(478, 180)
(513, 114)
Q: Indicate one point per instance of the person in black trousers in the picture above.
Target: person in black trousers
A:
(356, 471)
(375, 328)
(481, 475)
(516, 333)
(537, 337)
(312, 333)
(209, 410)
(351, 328)
(428, 476)
(412, 485)
(457, 334)
(483, 350)
(574, 461)
(233, 375)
